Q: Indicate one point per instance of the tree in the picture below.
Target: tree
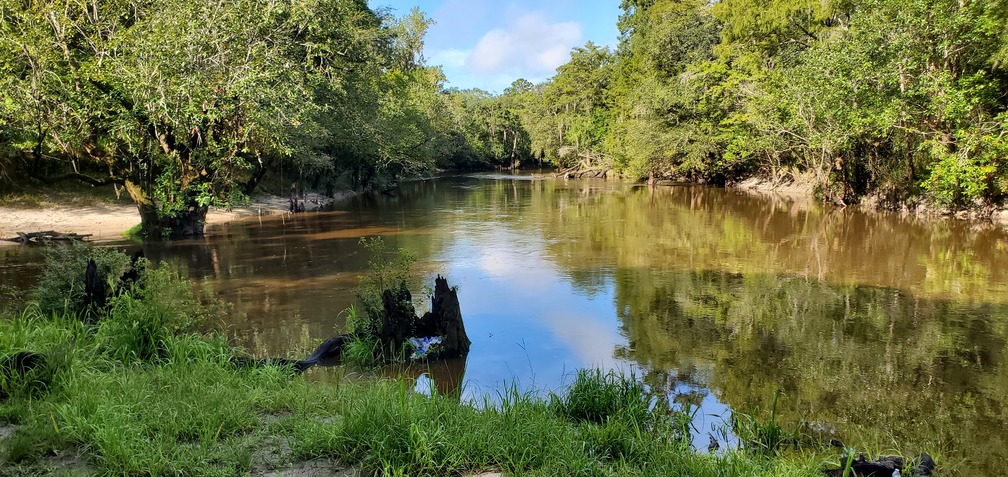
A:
(185, 104)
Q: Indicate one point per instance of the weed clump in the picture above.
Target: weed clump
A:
(597, 396)
(764, 437)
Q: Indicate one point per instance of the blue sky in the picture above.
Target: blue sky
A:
(489, 44)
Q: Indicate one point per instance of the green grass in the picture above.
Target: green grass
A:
(188, 410)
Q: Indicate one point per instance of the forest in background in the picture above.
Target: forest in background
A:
(898, 100)
(184, 104)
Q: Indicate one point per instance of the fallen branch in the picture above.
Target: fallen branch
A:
(37, 238)
(577, 172)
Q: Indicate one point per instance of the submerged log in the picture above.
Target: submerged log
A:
(329, 352)
(37, 238)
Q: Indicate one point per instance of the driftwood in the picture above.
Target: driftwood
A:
(36, 238)
(579, 172)
(327, 353)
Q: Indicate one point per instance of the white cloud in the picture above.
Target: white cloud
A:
(530, 47)
(450, 58)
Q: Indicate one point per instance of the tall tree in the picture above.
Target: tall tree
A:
(183, 103)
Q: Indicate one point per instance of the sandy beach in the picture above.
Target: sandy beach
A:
(107, 222)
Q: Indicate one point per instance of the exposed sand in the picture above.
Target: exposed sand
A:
(107, 222)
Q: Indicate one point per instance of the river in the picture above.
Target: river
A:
(883, 330)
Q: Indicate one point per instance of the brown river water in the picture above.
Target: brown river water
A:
(882, 330)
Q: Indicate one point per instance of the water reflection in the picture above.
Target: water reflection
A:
(716, 298)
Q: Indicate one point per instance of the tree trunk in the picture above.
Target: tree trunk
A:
(189, 222)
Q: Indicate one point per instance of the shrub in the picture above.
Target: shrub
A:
(61, 285)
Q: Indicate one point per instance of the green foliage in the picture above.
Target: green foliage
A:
(361, 351)
(597, 396)
(969, 176)
(61, 286)
(387, 269)
(881, 98)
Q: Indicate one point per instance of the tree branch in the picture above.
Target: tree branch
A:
(50, 180)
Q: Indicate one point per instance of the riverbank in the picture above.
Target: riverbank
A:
(109, 220)
(801, 189)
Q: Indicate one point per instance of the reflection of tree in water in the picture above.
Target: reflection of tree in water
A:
(704, 228)
(862, 360)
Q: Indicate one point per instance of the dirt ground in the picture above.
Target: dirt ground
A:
(106, 222)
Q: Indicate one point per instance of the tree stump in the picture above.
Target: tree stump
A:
(398, 318)
(445, 319)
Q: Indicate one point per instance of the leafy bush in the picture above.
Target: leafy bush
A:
(388, 269)
(61, 285)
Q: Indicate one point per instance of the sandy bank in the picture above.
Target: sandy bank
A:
(801, 190)
(108, 221)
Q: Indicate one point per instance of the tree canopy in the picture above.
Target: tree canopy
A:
(187, 105)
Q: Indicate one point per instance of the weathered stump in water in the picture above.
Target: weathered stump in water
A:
(95, 291)
(445, 319)
(399, 323)
(398, 318)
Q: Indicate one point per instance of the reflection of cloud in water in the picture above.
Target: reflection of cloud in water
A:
(592, 340)
(528, 324)
(711, 417)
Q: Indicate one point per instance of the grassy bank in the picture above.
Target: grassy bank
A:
(132, 389)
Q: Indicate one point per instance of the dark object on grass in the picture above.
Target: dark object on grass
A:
(883, 466)
(926, 466)
(18, 365)
(326, 353)
(49, 236)
(713, 446)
